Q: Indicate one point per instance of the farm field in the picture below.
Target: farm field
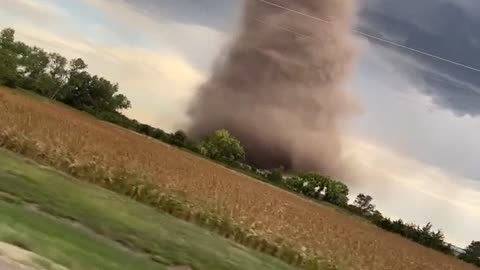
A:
(77, 225)
(97, 151)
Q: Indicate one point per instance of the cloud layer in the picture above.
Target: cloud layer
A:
(427, 26)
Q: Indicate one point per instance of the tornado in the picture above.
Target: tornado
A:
(280, 86)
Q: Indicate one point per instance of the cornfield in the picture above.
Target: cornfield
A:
(253, 213)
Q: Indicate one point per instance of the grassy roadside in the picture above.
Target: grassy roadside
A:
(82, 226)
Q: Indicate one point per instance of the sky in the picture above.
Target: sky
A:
(415, 145)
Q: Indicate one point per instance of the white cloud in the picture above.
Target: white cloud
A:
(157, 63)
(40, 11)
(416, 192)
(197, 43)
(159, 85)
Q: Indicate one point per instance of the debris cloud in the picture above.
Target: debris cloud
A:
(279, 87)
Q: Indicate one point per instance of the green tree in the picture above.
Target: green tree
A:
(472, 253)
(51, 75)
(77, 84)
(93, 94)
(276, 175)
(45, 85)
(336, 193)
(33, 63)
(377, 217)
(8, 59)
(119, 102)
(99, 95)
(8, 68)
(77, 65)
(179, 138)
(59, 74)
(58, 67)
(77, 90)
(223, 147)
(295, 183)
(7, 38)
(364, 204)
(313, 184)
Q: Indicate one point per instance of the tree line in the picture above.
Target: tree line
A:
(55, 77)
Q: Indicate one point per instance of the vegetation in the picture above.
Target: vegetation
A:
(363, 204)
(72, 224)
(51, 75)
(472, 253)
(223, 147)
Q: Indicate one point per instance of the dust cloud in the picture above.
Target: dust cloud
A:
(279, 87)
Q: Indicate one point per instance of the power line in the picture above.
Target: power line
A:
(398, 95)
(295, 11)
(282, 28)
(416, 51)
(377, 38)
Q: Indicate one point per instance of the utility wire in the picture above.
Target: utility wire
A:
(282, 28)
(377, 38)
(398, 95)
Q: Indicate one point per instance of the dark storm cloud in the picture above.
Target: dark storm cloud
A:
(444, 28)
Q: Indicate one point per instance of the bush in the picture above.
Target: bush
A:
(336, 193)
(472, 253)
(179, 138)
(223, 147)
(276, 176)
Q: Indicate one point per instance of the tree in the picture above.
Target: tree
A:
(437, 241)
(7, 38)
(34, 76)
(93, 94)
(313, 184)
(119, 102)
(8, 68)
(377, 217)
(364, 204)
(223, 147)
(336, 193)
(295, 183)
(179, 138)
(472, 253)
(77, 83)
(51, 75)
(8, 60)
(45, 85)
(77, 65)
(58, 67)
(59, 73)
(276, 175)
(398, 226)
(77, 90)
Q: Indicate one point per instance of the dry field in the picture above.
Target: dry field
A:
(83, 146)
